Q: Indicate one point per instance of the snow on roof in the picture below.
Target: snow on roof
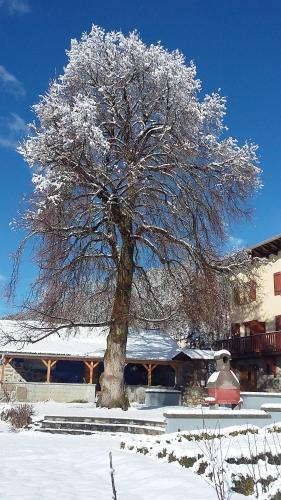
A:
(198, 353)
(91, 342)
(221, 353)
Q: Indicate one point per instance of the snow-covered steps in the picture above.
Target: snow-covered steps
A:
(91, 425)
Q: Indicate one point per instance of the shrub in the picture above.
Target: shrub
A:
(244, 485)
(276, 496)
(172, 457)
(265, 483)
(187, 461)
(162, 454)
(143, 450)
(18, 416)
(202, 468)
(243, 432)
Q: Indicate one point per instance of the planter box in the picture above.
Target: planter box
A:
(254, 400)
(161, 396)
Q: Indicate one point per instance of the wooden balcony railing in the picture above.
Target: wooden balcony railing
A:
(263, 343)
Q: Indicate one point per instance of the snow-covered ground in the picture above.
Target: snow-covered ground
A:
(90, 410)
(77, 467)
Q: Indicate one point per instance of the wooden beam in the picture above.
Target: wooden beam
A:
(175, 367)
(91, 365)
(49, 365)
(7, 360)
(149, 374)
(149, 367)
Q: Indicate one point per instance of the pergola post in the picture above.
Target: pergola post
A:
(91, 365)
(149, 367)
(176, 370)
(49, 365)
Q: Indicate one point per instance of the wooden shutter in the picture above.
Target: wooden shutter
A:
(252, 291)
(277, 283)
(237, 296)
(256, 327)
(278, 323)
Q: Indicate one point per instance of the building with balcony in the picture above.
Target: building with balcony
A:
(255, 339)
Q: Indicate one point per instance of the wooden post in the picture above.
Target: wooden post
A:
(149, 374)
(91, 365)
(49, 365)
(150, 367)
(176, 373)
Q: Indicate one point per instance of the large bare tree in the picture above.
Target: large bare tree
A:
(131, 170)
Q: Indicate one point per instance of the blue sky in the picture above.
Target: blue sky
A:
(236, 45)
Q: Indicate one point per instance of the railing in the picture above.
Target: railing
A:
(260, 343)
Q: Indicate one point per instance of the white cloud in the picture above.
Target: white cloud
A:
(16, 6)
(11, 130)
(9, 83)
(2, 277)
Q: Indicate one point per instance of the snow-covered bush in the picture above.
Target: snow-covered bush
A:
(245, 459)
(17, 416)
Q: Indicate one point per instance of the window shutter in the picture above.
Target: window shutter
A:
(237, 297)
(277, 283)
(278, 323)
(253, 291)
(255, 327)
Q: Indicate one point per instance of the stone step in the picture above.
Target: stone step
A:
(105, 420)
(65, 431)
(71, 427)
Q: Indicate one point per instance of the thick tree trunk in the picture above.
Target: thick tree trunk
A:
(112, 380)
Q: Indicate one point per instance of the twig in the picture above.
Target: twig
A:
(114, 496)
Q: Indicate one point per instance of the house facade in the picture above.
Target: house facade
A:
(255, 339)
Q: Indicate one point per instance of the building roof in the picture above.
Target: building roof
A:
(204, 354)
(267, 247)
(91, 343)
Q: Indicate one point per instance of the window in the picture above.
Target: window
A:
(277, 283)
(235, 329)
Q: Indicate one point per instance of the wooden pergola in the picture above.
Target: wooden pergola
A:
(92, 363)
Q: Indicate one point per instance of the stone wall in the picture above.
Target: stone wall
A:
(41, 391)
(11, 375)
